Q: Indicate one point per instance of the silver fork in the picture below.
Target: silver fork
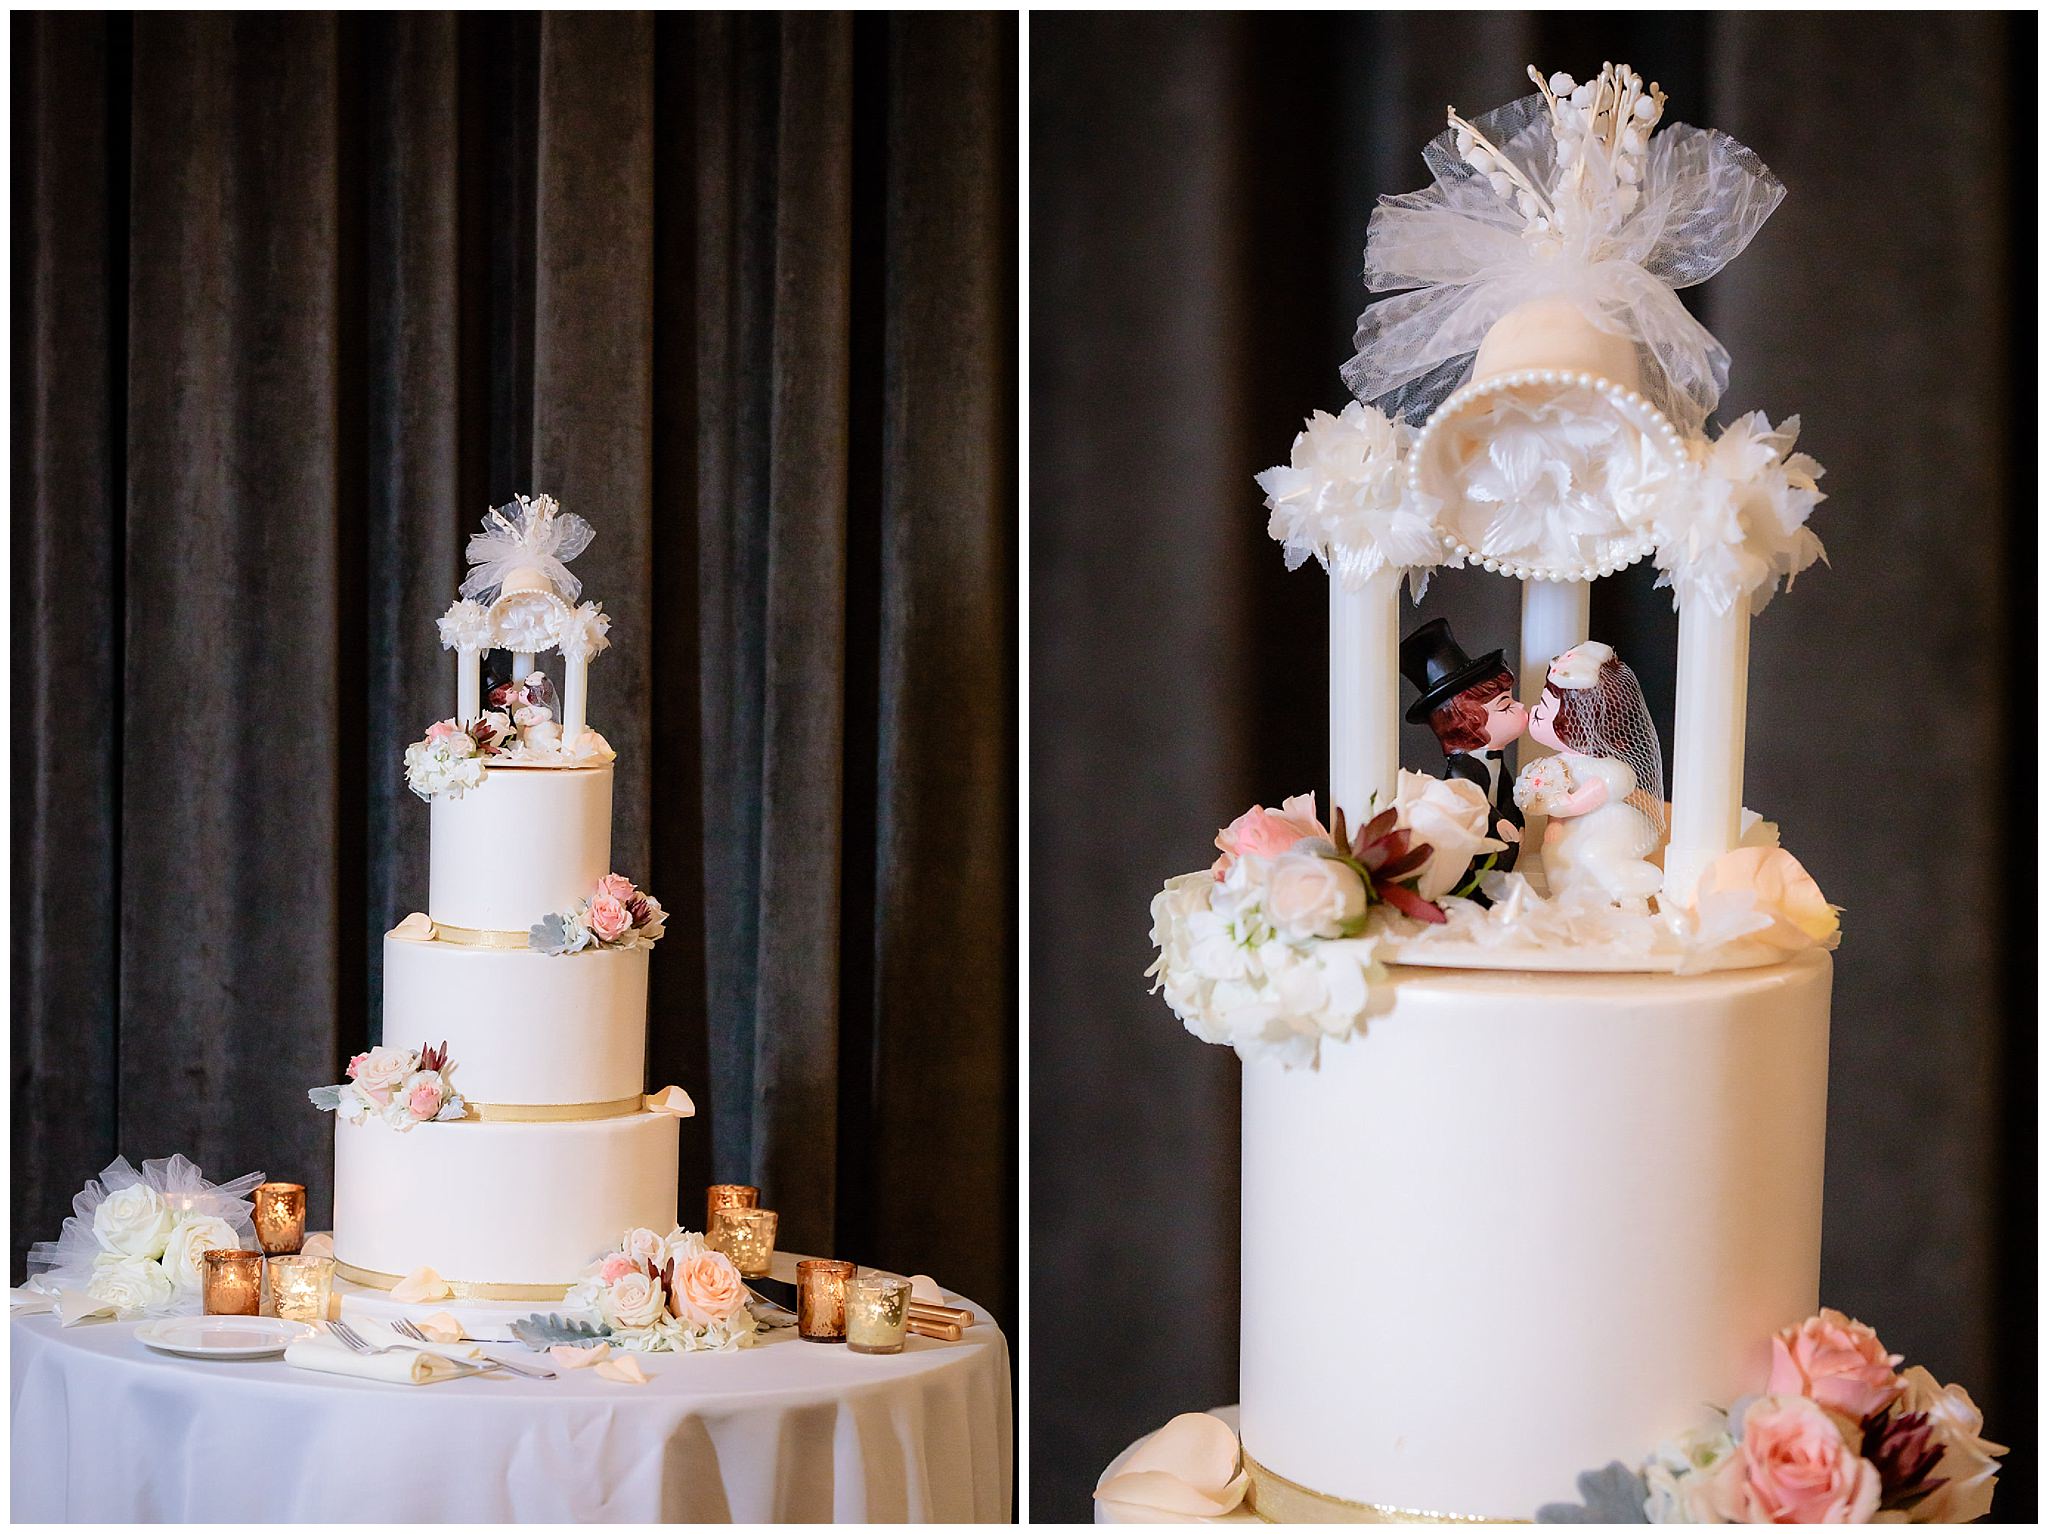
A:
(356, 1342)
(405, 1328)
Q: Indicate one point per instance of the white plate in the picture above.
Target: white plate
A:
(222, 1336)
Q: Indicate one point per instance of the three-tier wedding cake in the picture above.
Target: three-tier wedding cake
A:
(1535, 1063)
(500, 1135)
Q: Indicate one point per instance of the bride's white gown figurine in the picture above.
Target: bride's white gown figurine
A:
(1604, 790)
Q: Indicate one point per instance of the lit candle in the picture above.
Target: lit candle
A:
(745, 1235)
(877, 1311)
(299, 1287)
(280, 1216)
(234, 1282)
(821, 1286)
(728, 1195)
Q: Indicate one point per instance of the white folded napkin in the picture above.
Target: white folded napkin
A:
(27, 1301)
(416, 1363)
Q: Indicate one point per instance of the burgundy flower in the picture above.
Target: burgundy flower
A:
(1385, 854)
(1901, 1445)
(434, 1057)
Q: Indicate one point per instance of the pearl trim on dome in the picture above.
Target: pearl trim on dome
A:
(1646, 417)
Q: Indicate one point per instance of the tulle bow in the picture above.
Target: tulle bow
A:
(1469, 255)
(526, 534)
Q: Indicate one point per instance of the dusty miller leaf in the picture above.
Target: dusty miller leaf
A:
(1613, 1495)
(550, 934)
(543, 1332)
(326, 1099)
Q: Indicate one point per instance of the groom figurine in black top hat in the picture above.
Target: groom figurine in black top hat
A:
(1470, 706)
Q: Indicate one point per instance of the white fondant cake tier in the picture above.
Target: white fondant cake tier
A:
(1526, 1225)
(525, 842)
(523, 1027)
(499, 1204)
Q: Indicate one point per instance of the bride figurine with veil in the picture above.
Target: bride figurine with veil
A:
(1604, 790)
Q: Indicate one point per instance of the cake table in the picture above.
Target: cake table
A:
(105, 1430)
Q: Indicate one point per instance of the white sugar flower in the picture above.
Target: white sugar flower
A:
(580, 632)
(1451, 816)
(1735, 528)
(1343, 497)
(466, 626)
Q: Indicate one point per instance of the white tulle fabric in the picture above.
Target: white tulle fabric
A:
(526, 534)
(67, 1262)
(1470, 256)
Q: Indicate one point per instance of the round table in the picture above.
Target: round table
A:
(104, 1429)
(1120, 1512)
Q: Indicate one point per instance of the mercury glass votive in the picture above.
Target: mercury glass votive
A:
(747, 1236)
(728, 1195)
(877, 1310)
(280, 1217)
(821, 1286)
(234, 1282)
(299, 1286)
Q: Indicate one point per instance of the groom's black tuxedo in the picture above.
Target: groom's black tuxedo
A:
(1490, 771)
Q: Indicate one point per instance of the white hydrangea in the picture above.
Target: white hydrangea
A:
(466, 626)
(1344, 498)
(580, 631)
(1735, 528)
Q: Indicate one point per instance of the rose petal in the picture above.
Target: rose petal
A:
(441, 1327)
(1190, 1466)
(420, 1284)
(671, 1100)
(625, 1369)
(923, 1287)
(572, 1357)
(321, 1245)
(416, 928)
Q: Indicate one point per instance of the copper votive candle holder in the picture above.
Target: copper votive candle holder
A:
(728, 1195)
(877, 1311)
(747, 1236)
(821, 1285)
(280, 1217)
(299, 1286)
(234, 1282)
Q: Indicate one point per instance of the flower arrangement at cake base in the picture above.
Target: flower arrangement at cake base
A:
(135, 1243)
(654, 1294)
(400, 1087)
(1839, 1435)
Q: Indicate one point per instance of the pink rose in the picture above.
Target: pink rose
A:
(616, 1267)
(1794, 1466)
(706, 1288)
(608, 918)
(355, 1064)
(618, 886)
(424, 1102)
(1837, 1362)
(1263, 833)
(442, 729)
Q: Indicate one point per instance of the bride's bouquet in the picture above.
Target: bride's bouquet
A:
(136, 1242)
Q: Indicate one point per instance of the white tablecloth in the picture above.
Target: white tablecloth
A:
(105, 1429)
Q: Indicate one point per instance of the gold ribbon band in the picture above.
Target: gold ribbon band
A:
(477, 937)
(550, 1113)
(1275, 1499)
(369, 1278)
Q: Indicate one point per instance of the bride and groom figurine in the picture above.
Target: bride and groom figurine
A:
(1604, 789)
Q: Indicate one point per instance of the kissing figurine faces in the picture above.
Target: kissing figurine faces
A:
(1470, 707)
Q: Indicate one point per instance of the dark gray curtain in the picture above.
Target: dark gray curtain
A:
(295, 299)
(1200, 192)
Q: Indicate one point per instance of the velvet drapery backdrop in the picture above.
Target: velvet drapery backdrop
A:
(295, 299)
(1200, 193)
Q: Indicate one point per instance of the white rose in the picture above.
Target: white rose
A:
(135, 1222)
(1311, 896)
(1679, 1479)
(1452, 816)
(1968, 1464)
(635, 1300)
(384, 1069)
(185, 1256)
(644, 1245)
(128, 1283)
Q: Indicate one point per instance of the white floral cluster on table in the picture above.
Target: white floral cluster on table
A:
(396, 1087)
(1269, 951)
(135, 1243)
(666, 1294)
(1838, 1434)
(616, 915)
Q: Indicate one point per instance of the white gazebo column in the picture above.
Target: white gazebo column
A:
(1708, 727)
(1555, 616)
(575, 695)
(522, 665)
(468, 686)
(1365, 694)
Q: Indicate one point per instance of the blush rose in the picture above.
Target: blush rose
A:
(609, 918)
(707, 1288)
(1263, 833)
(1837, 1362)
(1794, 1466)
